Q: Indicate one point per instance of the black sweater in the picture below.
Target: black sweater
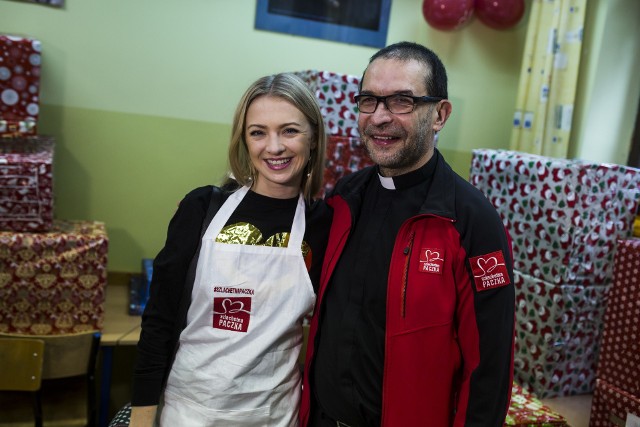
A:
(170, 291)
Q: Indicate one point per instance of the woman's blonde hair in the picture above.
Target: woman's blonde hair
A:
(292, 89)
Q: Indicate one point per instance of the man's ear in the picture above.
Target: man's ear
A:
(443, 111)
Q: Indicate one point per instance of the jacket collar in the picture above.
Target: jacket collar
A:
(440, 201)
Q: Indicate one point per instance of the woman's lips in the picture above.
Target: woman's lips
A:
(277, 164)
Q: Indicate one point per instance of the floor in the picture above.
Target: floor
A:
(575, 409)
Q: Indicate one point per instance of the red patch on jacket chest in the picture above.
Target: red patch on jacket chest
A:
(431, 260)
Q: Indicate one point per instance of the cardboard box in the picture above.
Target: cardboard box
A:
(53, 282)
(19, 85)
(619, 363)
(612, 407)
(26, 183)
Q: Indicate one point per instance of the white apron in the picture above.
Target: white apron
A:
(237, 360)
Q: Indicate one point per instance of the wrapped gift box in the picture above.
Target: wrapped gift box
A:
(26, 183)
(335, 92)
(558, 329)
(564, 216)
(619, 363)
(613, 407)
(526, 410)
(19, 85)
(345, 155)
(54, 282)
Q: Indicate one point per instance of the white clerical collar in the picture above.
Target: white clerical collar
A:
(387, 182)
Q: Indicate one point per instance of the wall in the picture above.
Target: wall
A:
(140, 96)
(609, 87)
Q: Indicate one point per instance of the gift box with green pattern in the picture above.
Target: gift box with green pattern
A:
(335, 92)
(558, 329)
(564, 216)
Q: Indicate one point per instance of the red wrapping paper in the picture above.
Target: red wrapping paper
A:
(345, 155)
(334, 93)
(54, 282)
(526, 410)
(26, 183)
(619, 363)
(19, 85)
(613, 407)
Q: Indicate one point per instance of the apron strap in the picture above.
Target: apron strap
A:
(214, 204)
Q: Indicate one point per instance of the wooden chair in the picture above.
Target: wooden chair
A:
(21, 361)
(66, 356)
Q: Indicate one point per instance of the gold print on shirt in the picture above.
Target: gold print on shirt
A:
(243, 233)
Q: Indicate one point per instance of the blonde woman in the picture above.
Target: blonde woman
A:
(222, 329)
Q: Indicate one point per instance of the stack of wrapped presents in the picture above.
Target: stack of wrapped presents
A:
(345, 151)
(616, 399)
(52, 272)
(565, 218)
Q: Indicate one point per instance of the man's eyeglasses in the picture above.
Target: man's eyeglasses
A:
(397, 104)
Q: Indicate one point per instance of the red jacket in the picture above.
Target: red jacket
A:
(450, 306)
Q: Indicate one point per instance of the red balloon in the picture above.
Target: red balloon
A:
(447, 14)
(499, 14)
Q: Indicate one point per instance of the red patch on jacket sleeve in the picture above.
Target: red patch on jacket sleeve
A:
(489, 271)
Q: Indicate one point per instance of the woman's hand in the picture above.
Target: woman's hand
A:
(143, 416)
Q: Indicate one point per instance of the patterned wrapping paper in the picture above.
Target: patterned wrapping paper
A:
(564, 216)
(53, 283)
(558, 329)
(26, 183)
(613, 407)
(335, 92)
(19, 85)
(344, 156)
(526, 410)
(619, 363)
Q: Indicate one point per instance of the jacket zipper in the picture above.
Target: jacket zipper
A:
(405, 277)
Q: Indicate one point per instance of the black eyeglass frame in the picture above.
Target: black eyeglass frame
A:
(383, 99)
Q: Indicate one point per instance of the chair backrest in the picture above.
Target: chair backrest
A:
(21, 361)
(66, 355)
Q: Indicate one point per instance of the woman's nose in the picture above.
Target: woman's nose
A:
(274, 145)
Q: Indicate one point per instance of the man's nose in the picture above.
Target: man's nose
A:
(381, 114)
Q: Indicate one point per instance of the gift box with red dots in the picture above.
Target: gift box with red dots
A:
(612, 406)
(19, 85)
(619, 362)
